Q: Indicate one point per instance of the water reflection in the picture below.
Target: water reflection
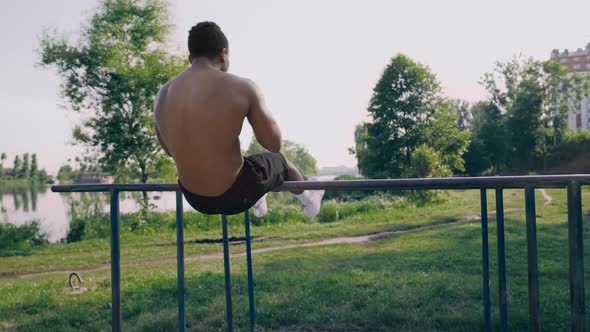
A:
(54, 210)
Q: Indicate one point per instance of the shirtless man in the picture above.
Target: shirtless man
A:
(199, 116)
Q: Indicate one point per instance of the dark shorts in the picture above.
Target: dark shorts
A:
(260, 174)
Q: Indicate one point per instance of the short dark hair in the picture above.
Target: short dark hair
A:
(206, 39)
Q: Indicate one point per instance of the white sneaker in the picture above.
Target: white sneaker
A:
(311, 200)
(260, 208)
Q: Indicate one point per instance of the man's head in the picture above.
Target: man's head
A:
(206, 40)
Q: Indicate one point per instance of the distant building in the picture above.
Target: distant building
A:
(576, 62)
(93, 177)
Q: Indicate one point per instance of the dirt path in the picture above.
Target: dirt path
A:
(546, 197)
(219, 255)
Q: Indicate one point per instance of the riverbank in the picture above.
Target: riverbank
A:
(7, 185)
(427, 277)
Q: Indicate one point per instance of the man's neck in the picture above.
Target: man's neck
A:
(204, 63)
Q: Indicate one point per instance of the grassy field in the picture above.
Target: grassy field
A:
(425, 280)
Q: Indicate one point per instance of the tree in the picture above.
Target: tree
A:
(65, 173)
(445, 136)
(34, 172)
(403, 104)
(533, 98)
(486, 150)
(25, 170)
(2, 158)
(296, 153)
(427, 163)
(526, 136)
(464, 115)
(16, 166)
(111, 77)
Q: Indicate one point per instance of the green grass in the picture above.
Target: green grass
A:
(425, 280)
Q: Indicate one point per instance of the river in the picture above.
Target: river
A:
(52, 210)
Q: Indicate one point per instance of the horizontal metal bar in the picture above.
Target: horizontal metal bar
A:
(508, 182)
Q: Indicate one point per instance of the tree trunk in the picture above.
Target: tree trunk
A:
(145, 199)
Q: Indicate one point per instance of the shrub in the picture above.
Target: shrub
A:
(19, 240)
(328, 212)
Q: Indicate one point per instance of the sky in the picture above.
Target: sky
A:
(316, 61)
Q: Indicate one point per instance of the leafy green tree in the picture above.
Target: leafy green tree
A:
(296, 153)
(464, 115)
(444, 135)
(34, 172)
(16, 167)
(427, 162)
(111, 76)
(402, 109)
(25, 170)
(44, 177)
(487, 148)
(2, 158)
(533, 98)
(523, 124)
(408, 112)
(65, 174)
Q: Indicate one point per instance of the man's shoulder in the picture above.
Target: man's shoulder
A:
(240, 81)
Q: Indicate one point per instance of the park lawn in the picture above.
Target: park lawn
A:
(154, 244)
(425, 280)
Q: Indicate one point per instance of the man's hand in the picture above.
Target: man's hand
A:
(265, 127)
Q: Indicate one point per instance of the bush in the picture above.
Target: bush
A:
(97, 225)
(87, 219)
(328, 212)
(20, 240)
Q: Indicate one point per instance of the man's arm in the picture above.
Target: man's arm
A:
(157, 108)
(266, 129)
(161, 140)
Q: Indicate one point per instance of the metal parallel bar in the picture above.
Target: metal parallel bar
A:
(501, 258)
(226, 263)
(576, 256)
(533, 270)
(487, 313)
(539, 181)
(250, 272)
(180, 262)
(115, 263)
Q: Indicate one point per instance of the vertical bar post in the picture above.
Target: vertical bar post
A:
(115, 263)
(576, 256)
(250, 272)
(228, 304)
(180, 262)
(501, 258)
(533, 270)
(485, 261)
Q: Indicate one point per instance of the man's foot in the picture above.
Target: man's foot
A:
(260, 208)
(311, 200)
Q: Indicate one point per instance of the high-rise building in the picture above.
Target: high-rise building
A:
(576, 62)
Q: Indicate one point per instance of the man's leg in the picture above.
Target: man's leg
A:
(311, 199)
(293, 174)
(260, 208)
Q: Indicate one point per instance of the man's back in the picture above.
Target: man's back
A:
(199, 116)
